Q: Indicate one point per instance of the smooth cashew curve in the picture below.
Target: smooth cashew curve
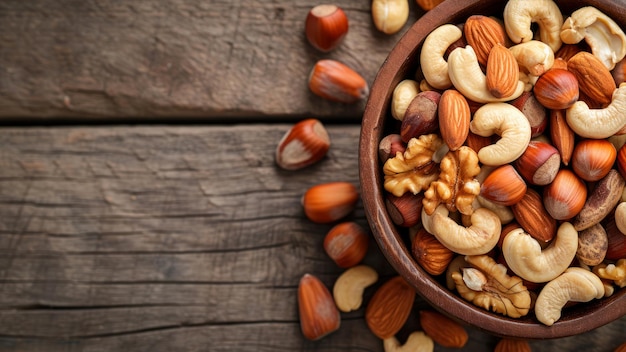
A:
(598, 123)
(575, 284)
(479, 238)
(434, 66)
(418, 341)
(524, 256)
(468, 78)
(508, 122)
(349, 287)
(427, 220)
(535, 56)
(605, 37)
(620, 217)
(403, 94)
(520, 14)
(504, 213)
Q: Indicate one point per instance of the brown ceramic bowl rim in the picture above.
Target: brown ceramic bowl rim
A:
(395, 68)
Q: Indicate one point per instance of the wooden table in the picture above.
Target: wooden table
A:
(140, 206)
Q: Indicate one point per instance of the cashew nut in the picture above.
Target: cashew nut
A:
(520, 14)
(403, 94)
(620, 217)
(598, 123)
(508, 122)
(575, 284)
(468, 78)
(349, 287)
(524, 256)
(535, 56)
(605, 37)
(479, 238)
(504, 213)
(427, 220)
(434, 66)
(456, 265)
(418, 341)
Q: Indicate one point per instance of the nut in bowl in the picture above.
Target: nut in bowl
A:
(449, 176)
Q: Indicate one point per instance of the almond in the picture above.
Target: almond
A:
(389, 308)
(443, 330)
(594, 79)
(512, 345)
(318, 314)
(454, 118)
(533, 217)
(482, 34)
(502, 72)
(561, 135)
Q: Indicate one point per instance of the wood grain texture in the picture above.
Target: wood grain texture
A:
(102, 59)
(162, 238)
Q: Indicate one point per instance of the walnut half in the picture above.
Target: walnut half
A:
(414, 170)
(491, 287)
(456, 186)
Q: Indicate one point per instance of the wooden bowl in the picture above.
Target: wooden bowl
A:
(402, 63)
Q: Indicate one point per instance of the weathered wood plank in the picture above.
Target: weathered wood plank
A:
(149, 59)
(174, 238)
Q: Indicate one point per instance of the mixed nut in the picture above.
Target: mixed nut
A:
(510, 144)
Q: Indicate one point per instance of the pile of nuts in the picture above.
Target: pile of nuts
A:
(507, 170)
(509, 164)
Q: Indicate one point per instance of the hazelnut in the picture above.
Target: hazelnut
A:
(328, 202)
(536, 113)
(539, 163)
(421, 115)
(305, 143)
(592, 159)
(406, 210)
(503, 186)
(565, 197)
(346, 244)
(389, 146)
(335, 81)
(556, 89)
(318, 314)
(326, 26)
(430, 254)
